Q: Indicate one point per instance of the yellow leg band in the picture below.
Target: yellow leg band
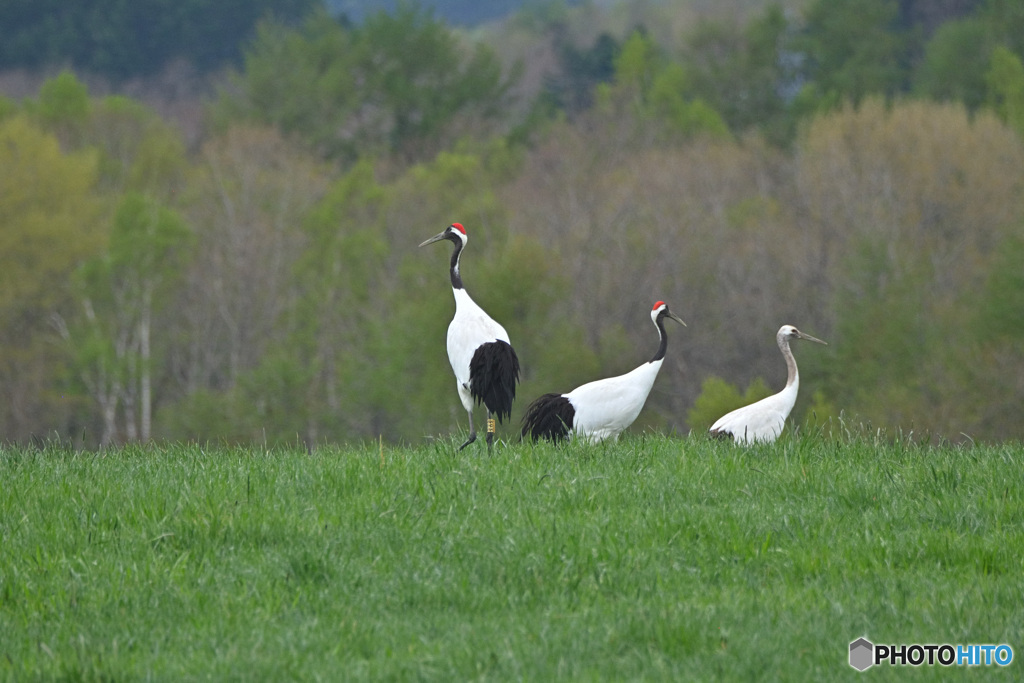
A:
(490, 426)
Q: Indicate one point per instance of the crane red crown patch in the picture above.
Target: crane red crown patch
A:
(657, 305)
(458, 226)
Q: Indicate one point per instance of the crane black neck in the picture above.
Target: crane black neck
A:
(663, 345)
(456, 278)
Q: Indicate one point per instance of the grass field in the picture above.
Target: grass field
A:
(655, 558)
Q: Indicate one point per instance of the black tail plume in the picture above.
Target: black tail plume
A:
(493, 374)
(548, 417)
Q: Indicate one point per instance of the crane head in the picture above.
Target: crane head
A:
(787, 332)
(454, 232)
(660, 310)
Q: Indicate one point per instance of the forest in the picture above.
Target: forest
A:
(222, 245)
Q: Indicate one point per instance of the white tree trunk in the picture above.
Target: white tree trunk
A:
(145, 386)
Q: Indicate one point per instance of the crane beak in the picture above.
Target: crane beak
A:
(676, 318)
(436, 238)
(810, 338)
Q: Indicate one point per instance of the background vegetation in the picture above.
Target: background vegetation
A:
(228, 250)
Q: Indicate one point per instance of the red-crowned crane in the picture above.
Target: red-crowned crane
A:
(603, 408)
(485, 364)
(763, 421)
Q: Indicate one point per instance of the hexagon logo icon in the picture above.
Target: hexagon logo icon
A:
(861, 654)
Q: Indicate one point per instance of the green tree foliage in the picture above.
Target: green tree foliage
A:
(138, 150)
(400, 84)
(962, 57)
(121, 293)
(886, 334)
(124, 39)
(96, 306)
(581, 71)
(47, 213)
(424, 81)
(7, 107)
(329, 353)
(741, 71)
(1000, 314)
(854, 48)
(650, 89)
(302, 80)
(914, 232)
(1006, 19)
(955, 61)
(49, 221)
(63, 100)
(1005, 80)
(991, 380)
(246, 200)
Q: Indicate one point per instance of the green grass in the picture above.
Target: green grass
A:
(654, 558)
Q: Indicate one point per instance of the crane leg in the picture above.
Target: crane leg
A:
(472, 431)
(490, 432)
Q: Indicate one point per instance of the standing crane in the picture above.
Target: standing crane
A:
(603, 408)
(485, 364)
(763, 421)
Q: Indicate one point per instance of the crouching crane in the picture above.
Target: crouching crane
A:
(763, 421)
(485, 364)
(603, 408)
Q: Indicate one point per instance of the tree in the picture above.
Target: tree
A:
(428, 86)
(333, 325)
(50, 220)
(1005, 80)
(246, 201)
(120, 292)
(742, 72)
(854, 48)
(63, 101)
(1006, 18)
(139, 152)
(301, 80)
(136, 149)
(902, 201)
(955, 61)
(650, 89)
(401, 84)
(572, 89)
(127, 39)
(993, 381)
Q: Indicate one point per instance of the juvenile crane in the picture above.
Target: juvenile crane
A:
(485, 364)
(603, 408)
(763, 421)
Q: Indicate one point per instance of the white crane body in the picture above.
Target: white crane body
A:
(470, 329)
(761, 421)
(605, 407)
(764, 420)
(601, 409)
